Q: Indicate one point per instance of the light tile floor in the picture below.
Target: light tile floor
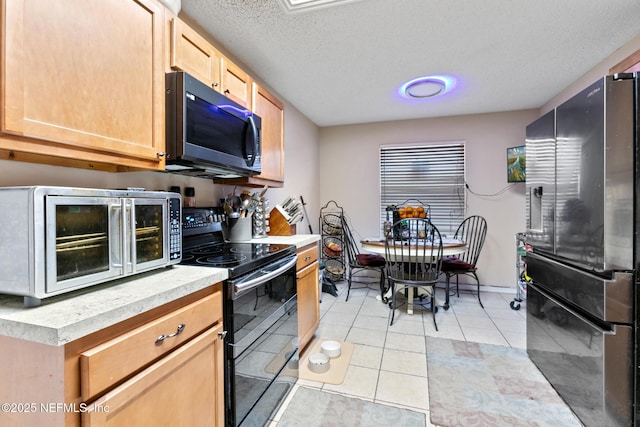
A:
(389, 363)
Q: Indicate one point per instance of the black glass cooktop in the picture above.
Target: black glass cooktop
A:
(203, 244)
(236, 256)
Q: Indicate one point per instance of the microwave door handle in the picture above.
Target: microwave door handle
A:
(256, 139)
(115, 211)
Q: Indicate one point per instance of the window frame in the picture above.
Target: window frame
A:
(446, 214)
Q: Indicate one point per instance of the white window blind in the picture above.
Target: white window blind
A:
(432, 173)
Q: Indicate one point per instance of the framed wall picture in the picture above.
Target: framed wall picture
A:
(516, 164)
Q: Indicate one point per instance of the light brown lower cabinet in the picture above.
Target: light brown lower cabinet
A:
(125, 374)
(308, 294)
(166, 372)
(182, 389)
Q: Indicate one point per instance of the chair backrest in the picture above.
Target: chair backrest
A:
(349, 243)
(473, 231)
(415, 256)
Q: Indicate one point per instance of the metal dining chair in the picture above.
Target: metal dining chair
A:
(414, 259)
(358, 262)
(472, 231)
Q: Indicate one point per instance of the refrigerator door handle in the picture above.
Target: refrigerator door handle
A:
(607, 296)
(610, 331)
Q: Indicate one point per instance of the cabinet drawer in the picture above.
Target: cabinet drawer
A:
(106, 364)
(307, 255)
(185, 388)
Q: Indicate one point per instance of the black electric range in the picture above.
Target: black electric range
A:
(259, 315)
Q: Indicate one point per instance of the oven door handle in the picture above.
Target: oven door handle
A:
(263, 275)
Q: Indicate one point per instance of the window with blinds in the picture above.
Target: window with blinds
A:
(432, 173)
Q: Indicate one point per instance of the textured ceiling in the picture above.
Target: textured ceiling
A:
(343, 64)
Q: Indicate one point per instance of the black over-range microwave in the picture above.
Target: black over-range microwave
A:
(207, 134)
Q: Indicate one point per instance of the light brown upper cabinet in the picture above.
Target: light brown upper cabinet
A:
(192, 53)
(236, 83)
(628, 65)
(83, 82)
(271, 110)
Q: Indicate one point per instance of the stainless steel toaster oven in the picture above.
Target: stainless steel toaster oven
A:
(58, 239)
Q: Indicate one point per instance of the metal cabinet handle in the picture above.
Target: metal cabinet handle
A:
(163, 337)
(307, 258)
(222, 335)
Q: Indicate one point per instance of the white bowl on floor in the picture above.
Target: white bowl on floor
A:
(331, 348)
(319, 363)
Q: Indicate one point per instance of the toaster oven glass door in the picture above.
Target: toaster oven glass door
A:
(149, 231)
(83, 241)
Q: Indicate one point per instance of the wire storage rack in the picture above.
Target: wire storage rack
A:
(332, 233)
(521, 271)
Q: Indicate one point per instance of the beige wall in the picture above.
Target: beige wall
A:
(349, 176)
(592, 75)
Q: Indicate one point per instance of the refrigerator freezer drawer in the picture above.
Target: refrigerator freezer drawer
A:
(608, 300)
(591, 369)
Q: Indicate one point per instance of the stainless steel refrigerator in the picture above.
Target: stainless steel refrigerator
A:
(582, 223)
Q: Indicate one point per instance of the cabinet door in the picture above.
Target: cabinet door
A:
(271, 110)
(236, 83)
(85, 76)
(308, 303)
(190, 52)
(185, 388)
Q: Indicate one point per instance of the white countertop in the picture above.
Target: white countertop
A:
(299, 240)
(65, 318)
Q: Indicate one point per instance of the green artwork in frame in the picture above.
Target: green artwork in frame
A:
(516, 164)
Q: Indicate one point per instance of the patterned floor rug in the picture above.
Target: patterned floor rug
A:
(472, 384)
(315, 408)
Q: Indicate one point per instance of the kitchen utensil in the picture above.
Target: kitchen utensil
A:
(245, 198)
(287, 202)
(236, 203)
(304, 210)
(295, 219)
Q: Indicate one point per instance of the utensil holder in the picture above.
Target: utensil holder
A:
(236, 229)
(279, 226)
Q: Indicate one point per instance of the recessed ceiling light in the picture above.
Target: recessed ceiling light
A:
(427, 87)
(302, 5)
